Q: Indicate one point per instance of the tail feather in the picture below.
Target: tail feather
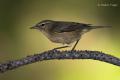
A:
(95, 27)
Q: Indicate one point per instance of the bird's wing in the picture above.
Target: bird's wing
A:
(60, 27)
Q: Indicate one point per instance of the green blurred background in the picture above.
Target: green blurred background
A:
(17, 40)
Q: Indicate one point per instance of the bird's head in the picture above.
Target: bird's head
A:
(43, 25)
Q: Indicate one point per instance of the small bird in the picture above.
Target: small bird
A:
(63, 31)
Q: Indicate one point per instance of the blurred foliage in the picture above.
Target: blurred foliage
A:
(17, 40)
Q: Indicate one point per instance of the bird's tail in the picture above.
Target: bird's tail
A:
(95, 27)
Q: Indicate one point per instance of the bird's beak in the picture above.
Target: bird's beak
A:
(33, 27)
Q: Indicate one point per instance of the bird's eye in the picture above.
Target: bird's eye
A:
(42, 24)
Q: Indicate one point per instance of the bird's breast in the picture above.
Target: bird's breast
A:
(64, 37)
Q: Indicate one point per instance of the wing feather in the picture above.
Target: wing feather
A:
(60, 27)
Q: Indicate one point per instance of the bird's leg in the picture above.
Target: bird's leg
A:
(61, 47)
(75, 44)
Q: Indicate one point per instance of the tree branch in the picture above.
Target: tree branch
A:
(55, 54)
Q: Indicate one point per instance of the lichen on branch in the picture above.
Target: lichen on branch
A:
(56, 54)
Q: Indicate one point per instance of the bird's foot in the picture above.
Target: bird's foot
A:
(60, 47)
